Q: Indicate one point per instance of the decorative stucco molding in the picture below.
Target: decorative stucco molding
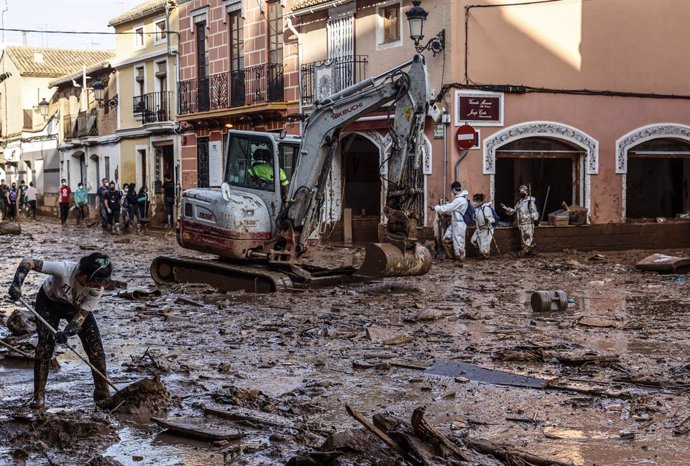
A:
(541, 129)
(643, 134)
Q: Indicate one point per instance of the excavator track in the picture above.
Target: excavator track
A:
(381, 260)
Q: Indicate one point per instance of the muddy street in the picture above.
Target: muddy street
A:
(265, 379)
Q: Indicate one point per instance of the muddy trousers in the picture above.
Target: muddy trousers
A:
(455, 235)
(526, 237)
(52, 312)
(64, 212)
(482, 239)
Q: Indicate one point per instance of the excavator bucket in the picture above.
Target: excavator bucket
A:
(387, 260)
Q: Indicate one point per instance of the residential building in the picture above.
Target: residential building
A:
(29, 139)
(145, 68)
(343, 43)
(563, 99)
(238, 69)
(88, 146)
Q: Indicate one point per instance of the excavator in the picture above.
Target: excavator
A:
(269, 213)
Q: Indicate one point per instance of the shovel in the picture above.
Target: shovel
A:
(53, 331)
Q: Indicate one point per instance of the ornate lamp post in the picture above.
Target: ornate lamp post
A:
(415, 18)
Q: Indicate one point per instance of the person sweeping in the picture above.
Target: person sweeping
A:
(72, 292)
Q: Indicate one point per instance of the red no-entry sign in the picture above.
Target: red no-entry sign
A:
(465, 137)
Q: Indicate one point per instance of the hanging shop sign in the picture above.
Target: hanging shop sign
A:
(478, 108)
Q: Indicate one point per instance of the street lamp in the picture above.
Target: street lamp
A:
(415, 18)
(99, 95)
(43, 107)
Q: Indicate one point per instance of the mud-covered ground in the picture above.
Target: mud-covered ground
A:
(616, 361)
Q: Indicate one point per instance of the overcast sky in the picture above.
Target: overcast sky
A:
(69, 15)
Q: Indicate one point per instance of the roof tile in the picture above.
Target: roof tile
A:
(53, 63)
(150, 7)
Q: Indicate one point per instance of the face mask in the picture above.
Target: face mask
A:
(112, 188)
(523, 194)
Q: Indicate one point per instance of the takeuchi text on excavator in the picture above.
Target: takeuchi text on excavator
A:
(269, 211)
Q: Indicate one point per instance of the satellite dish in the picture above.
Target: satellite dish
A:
(225, 191)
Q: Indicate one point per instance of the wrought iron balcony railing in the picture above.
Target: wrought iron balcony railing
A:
(262, 83)
(323, 78)
(154, 107)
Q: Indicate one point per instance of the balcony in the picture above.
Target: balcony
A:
(153, 107)
(81, 125)
(255, 85)
(323, 78)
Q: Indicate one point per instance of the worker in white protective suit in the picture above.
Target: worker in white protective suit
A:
(485, 221)
(526, 214)
(455, 233)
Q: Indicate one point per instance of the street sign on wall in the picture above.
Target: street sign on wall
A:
(465, 137)
(479, 108)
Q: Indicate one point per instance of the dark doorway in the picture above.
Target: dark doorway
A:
(657, 179)
(543, 165)
(202, 163)
(362, 180)
(362, 187)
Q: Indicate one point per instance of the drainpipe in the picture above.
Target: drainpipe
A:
(463, 154)
(177, 148)
(299, 69)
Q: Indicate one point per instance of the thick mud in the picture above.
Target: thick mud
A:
(280, 369)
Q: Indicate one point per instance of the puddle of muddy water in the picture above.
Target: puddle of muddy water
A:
(144, 447)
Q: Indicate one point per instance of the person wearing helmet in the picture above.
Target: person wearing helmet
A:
(455, 233)
(526, 214)
(72, 292)
(261, 172)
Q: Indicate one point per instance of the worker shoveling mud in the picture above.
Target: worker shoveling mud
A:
(72, 292)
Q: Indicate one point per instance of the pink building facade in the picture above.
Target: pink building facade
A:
(237, 69)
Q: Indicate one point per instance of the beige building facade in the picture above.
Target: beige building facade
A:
(145, 70)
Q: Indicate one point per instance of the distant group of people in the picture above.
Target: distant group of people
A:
(15, 199)
(120, 211)
(480, 212)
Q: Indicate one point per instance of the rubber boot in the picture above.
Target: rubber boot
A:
(448, 249)
(101, 392)
(169, 225)
(40, 380)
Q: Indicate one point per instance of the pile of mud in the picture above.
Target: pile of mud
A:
(142, 398)
(67, 435)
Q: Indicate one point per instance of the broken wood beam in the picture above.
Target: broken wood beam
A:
(375, 430)
(16, 350)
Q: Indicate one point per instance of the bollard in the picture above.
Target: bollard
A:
(544, 301)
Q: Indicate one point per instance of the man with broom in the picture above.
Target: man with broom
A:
(71, 292)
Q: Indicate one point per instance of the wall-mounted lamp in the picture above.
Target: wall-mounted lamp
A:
(43, 106)
(415, 18)
(99, 95)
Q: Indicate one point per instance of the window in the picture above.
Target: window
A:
(250, 163)
(159, 31)
(139, 89)
(162, 76)
(391, 23)
(275, 32)
(287, 158)
(388, 26)
(236, 31)
(139, 37)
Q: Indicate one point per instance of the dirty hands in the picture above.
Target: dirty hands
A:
(15, 292)
(61, 338)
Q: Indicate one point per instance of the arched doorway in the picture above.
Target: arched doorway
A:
(361, 187)
(547, 166)
(655, 163)
(657, 179)
(551, 154)
(78, 175)
(93, 174)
